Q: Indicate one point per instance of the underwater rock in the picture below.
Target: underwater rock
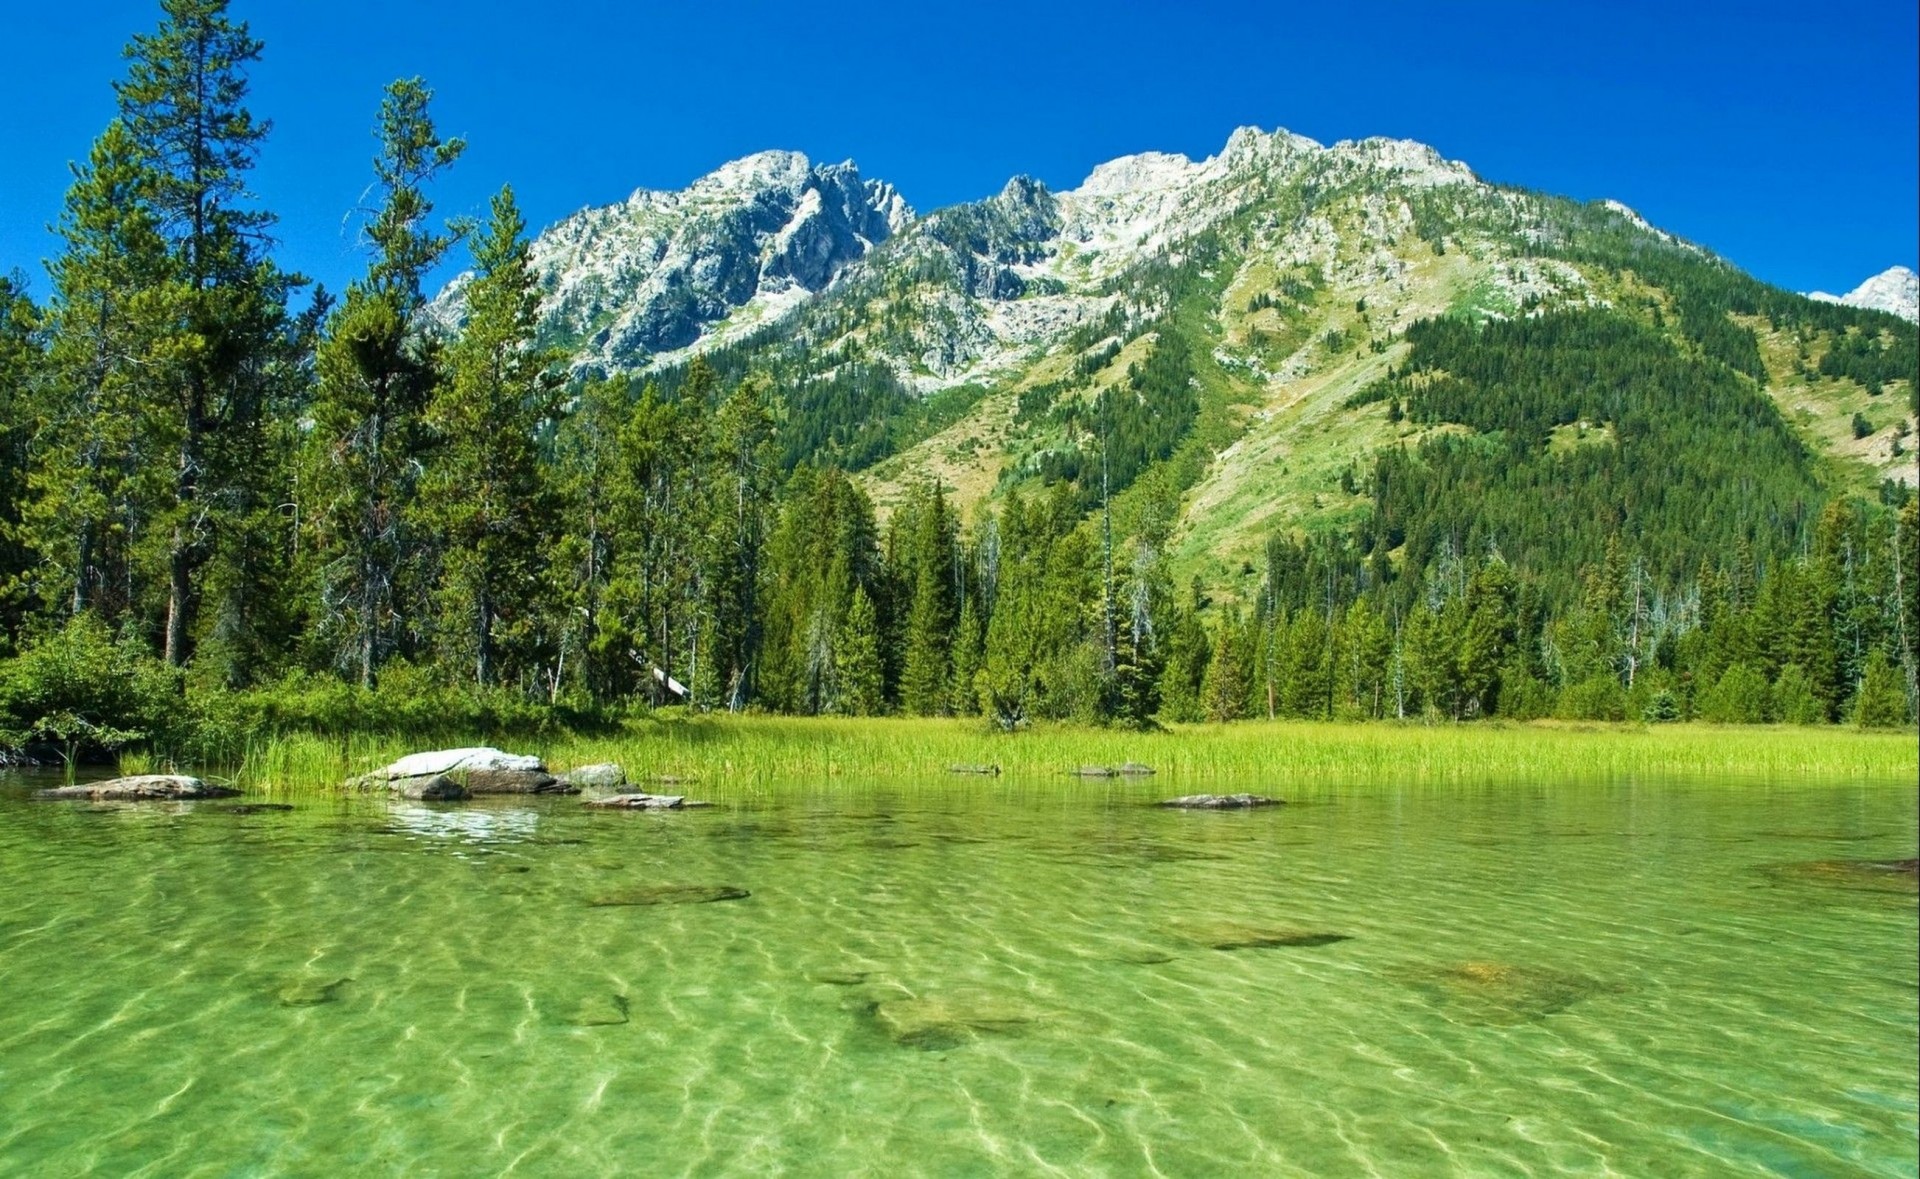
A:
(1142, 958)
(1885, 876)
(1505, 992)
(938, 1022)
(1221, 802)
(1233, 935)
(256, 808)
(670, 894)
(643, 802)
(840, 978)
(1094, 772)
(1134, 769)
(605, 776)
(601, 1011)
(139, 788)
(308, 992)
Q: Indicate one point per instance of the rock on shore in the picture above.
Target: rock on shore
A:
(139, 788)
(445, 774)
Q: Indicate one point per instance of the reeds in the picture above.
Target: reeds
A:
(751, 753)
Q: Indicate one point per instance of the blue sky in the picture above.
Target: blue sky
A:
(1783, 136)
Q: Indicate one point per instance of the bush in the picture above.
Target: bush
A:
(1740, 697)
(1793, 699)
(1662, 708)
(82, 695)
(1598, 698)
(1882, 701)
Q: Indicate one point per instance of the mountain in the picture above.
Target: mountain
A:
(1284, 339)
(662, 271)
(1895, 290)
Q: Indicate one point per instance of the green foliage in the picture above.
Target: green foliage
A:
(1881, 702)
(84, 694)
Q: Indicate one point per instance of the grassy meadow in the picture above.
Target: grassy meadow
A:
(744, 754)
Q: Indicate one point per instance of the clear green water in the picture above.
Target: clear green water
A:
(966, 977)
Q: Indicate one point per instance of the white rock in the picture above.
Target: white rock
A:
(444, 761)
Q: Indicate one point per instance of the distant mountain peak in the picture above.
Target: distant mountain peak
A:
(1895, 289)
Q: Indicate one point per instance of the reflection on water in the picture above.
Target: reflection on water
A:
(464, 822)
(985, 978)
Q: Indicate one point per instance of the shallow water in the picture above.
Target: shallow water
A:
(967, 977)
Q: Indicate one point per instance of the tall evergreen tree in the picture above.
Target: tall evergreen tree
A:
(21, 364)
(183, 103)
(376, 371)
(485, 493)
(96, 480)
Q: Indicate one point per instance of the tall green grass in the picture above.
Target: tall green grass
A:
(748, 753)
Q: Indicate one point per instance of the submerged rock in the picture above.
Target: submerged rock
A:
(601, 1011)
(1506, 992)
(139, 788)
(605, 776)
(1134, 769)
(1221, 802)
(840, 978)
(309, 992)
(670, 894)
(256, 808)
(946, 1021)
(1883, 876)
(1094, 772)
(640, 802)
(1233, 935)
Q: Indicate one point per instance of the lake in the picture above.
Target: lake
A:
(967, 976)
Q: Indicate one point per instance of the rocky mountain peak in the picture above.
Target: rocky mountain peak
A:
(1895, 290)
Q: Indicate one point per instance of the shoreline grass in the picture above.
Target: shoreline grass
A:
(755, 752)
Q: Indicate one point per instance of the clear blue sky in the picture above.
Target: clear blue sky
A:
(1780, 135)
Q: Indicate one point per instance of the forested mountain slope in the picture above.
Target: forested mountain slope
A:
(1239, 345)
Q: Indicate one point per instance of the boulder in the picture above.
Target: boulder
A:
(446, 761)
(1134, 769)
(641, 802)
(1095, 772)
(139, 788)
(432, 788)
(1221, 802)
(606, 776)
(511, 782)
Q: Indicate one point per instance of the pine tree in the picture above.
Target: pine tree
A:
(968, 651)
(21, 364)
(860, 671)
(1880, 702)
(485, 493)
(96, 482)
(376, 372)
(1225, 688)
(744, 469)
(183, 104)
(927, 560)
